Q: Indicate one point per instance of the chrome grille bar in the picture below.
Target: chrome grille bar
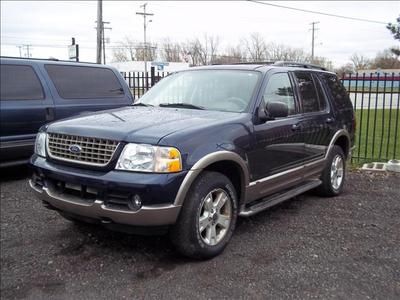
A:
(92, 151)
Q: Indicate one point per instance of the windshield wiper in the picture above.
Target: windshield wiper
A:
(181, 105)
(141, 104)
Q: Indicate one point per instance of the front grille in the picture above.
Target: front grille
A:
(85, 150)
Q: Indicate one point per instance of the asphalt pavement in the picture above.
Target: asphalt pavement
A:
(347, 247)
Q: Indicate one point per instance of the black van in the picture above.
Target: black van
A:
(34, 92)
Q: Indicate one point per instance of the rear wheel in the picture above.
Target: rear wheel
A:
(208, 217)
(334, 173)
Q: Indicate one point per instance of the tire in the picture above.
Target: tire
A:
(333, 176)
(202, 241)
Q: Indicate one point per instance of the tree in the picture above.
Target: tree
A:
(208, 49)
(129, 50)
(256, 47)
(395, 30)
(119, 54)
(345, 69)
(191, 50)
(360, 62)
(386, 60)
(286, 53)
(323, 62)
(233, 54)
(170, 51)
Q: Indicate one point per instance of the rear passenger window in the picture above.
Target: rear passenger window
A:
(279, 89)
(308, 93)
(77, 82)
(321, 95)
(19, 82)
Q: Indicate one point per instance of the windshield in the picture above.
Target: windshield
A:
(223, 90)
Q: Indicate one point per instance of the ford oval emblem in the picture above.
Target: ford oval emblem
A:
(75, 149)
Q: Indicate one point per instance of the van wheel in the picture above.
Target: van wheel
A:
(334, 173)
(208, 217)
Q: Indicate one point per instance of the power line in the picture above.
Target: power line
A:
(318, 12)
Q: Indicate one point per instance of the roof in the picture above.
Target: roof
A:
(50, 61)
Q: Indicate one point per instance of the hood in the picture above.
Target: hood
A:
(139, 124)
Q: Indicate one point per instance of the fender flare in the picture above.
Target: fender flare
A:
(206, 161)
(336, 136)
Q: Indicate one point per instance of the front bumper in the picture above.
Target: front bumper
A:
(101, 187)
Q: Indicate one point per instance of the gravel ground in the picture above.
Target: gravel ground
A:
(309, 247)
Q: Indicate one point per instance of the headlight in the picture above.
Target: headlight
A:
(40, 144)
(148, 158)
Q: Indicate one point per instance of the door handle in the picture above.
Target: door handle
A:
(49, 113)
(296, 127)
(329, 120)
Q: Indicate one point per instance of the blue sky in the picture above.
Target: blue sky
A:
(49, 25)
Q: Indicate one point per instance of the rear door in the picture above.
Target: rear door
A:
(78, 89)
(316, 119)
(26, 105)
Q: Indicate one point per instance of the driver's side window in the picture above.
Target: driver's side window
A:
(279, 89)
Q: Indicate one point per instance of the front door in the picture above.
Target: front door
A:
(279, 144)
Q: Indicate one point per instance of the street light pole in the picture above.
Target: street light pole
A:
(144, 14)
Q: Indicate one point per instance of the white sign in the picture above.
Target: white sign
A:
(72, 51)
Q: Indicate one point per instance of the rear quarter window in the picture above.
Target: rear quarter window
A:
(19, 82)
(80, 82)
(337, 91)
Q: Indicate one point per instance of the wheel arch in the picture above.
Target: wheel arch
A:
(341, 139)
(228, 163)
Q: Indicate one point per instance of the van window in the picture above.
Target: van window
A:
(77, 82)
(20, 82)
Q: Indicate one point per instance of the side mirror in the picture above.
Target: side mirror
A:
(277, 109)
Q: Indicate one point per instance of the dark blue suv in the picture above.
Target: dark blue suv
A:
(35, 92)
(201, 148)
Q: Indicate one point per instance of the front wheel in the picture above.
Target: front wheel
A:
(334, 173)
(208, 217)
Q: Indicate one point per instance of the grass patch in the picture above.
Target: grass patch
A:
(376, 135)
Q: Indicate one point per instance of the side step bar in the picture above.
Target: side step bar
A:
(278, 198)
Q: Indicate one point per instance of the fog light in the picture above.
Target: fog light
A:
(135, 202)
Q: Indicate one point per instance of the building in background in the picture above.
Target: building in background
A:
(138, 66)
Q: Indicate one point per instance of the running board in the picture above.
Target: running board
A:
(278, 198)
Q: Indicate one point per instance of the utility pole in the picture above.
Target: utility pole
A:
(144, 14)
(27, 53)
(20, 50)
(313, 29)
(103, 39)
(99, 28)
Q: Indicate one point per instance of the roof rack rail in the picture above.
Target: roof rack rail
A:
(298, 64)
(246, 63)
(270, 62)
